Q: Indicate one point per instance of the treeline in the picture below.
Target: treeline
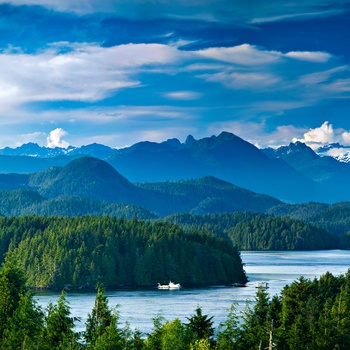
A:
(28, 202)
(82, 251)
(306, 315)
(334, 218)
(253, 231)
(262, 232)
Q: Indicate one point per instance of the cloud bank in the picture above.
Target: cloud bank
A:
(105, 69)
(324, 136)
(255, 81)
(92, 73)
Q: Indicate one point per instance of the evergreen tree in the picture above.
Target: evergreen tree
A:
(154, 340)
(257, 325)
(229, 331)
(21, 320)
(200, 325)
(175, 336)
(24, 327)
(102, 325)
(59, 331)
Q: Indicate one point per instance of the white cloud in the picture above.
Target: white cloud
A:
(91, 73)
(55, 139)
(336, 152)
(315, 56)
(86, 73)
(333, 83)
(346, 137)
(325, 135)
(322, 135)
(255, 81)
(323, 76)
(183, 95)
(245, 54)
(296, 16)
(35, 137)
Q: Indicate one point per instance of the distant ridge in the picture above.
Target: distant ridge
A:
(225, 156)
(94, 179)
(292, 173)
(330, 174)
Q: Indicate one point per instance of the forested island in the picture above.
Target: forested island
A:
(83, 251)
(308, 314)
(191, 249)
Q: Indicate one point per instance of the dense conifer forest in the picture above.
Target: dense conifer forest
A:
(254, 231)
(308, 314)
(82, 251)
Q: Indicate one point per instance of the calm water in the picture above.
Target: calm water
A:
(138, 307)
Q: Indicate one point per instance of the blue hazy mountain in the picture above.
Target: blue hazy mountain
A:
(292, 174)
(226, 156)
(94, 179)
(329, 173)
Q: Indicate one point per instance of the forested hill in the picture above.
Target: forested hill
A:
(332, 217)
(28, 202)
(254, 231)
(82, 251)
(96, 180)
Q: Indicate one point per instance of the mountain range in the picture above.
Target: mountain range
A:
(292, 174)
(92, 183)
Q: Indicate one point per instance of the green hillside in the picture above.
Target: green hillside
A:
(82, 251)
(254, 231)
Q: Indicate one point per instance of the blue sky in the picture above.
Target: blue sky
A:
(121, 71)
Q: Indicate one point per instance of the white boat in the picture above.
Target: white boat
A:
(261, 285)
(163, 286)
(171, 285)
(174, 285)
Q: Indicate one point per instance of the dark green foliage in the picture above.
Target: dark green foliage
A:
(154, 340)
(12, 290)
(21, 320)
(102, 326)
(256, 326)
(24, 328)
(253, 231)
(307, 315)
(59, 330)
(274, 233)
(29, 202)
(200, 325)
(82, 251)
(229, 331)
(209, 195)
(334, 218)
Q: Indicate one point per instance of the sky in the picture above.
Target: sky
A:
(117, 72)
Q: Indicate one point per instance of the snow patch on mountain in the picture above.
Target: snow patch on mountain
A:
(335, 150)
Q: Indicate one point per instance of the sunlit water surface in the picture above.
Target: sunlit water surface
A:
(138, 307)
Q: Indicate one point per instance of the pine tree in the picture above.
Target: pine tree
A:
(59, 325)
(20, 318)
(229, 330)
(200, 325)
(102, 325)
